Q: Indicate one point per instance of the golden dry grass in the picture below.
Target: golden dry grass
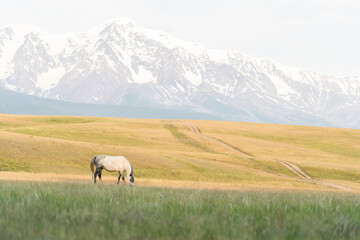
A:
(167, 153)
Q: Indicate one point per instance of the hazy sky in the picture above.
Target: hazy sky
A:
(320, 35)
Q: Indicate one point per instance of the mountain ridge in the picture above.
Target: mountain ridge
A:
(119, 63)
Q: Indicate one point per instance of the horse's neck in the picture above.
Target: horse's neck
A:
(128, 168)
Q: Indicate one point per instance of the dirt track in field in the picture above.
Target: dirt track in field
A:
(195, 130)
(295, 169)
(290, 166)
(298, 171)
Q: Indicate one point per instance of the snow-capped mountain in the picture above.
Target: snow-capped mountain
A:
(122, 64)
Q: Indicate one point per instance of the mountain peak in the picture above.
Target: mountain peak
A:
(122, 64)
(19, 30)
(123, 21)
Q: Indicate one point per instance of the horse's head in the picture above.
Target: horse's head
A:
(131, 179)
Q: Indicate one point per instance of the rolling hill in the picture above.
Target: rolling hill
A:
(187, 153)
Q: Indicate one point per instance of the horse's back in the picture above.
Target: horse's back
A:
(114, 163)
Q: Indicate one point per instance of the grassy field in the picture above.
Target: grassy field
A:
(296, 182)
(168, 150)
(86, 211)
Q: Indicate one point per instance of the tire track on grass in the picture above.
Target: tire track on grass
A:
(298, 171)
(295, 169)
(291, 166)
(195, 130)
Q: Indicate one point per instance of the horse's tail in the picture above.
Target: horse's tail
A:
(92, 163)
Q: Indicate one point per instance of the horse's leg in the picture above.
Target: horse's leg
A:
(119, 178)
(95, 174)
(100, 172)
(123, 177)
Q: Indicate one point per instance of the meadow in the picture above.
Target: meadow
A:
(193, 180)
(86, 211)
(241, 155)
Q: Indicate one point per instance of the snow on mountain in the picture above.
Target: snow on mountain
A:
(122, 64)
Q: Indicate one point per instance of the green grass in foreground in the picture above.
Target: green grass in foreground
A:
(86, 211)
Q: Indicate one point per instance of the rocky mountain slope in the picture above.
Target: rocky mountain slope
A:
(119, 63)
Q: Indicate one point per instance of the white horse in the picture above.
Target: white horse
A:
(112, 164)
